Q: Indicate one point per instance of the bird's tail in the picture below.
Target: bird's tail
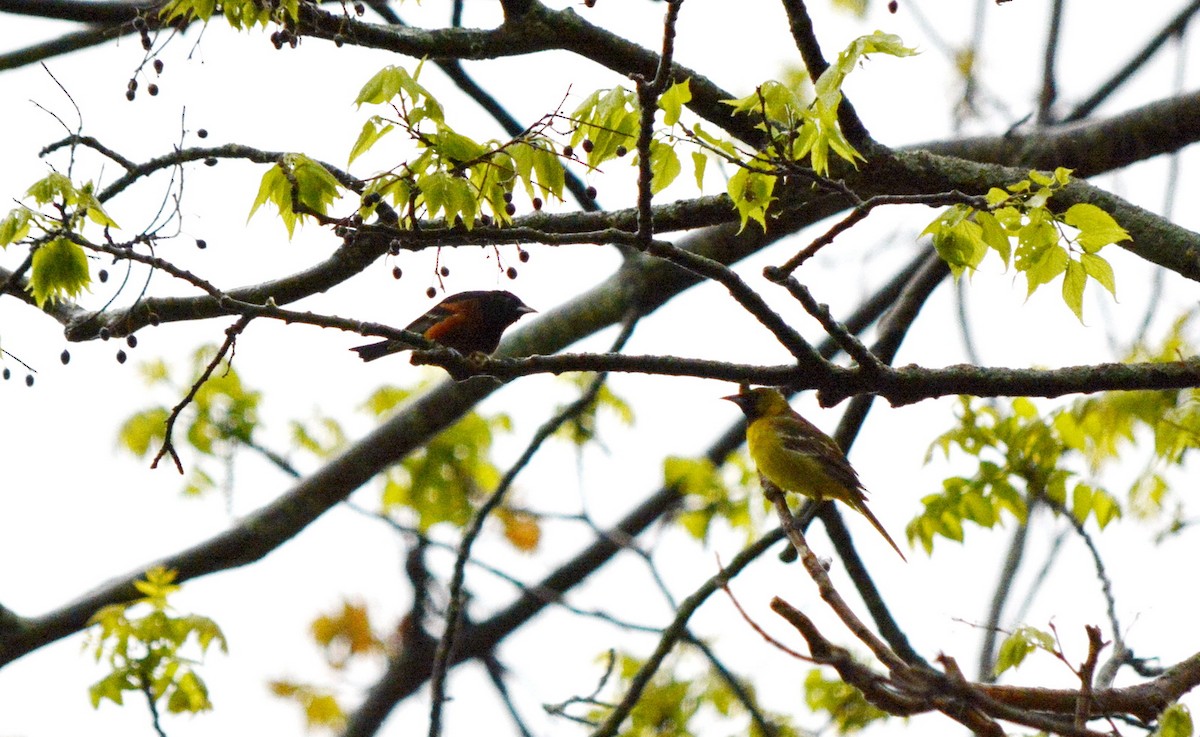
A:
(371, 351)
(862, 508)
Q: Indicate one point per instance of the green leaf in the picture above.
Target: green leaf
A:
(1051, 262)
(59, 269)
(53, 186)
(845, 704)
(142, 429)
(719, 144)
(15, 225)
(1097, 228)
(1081, 502)
(699, 164)
(673, 100)
(1019, 644)
(1100, 270)
(442, 191)
(994, 235)
(664, 166)
(551, 177)
(457, 148)
(751, 195)
(694, 476)
(315, 189)
(1175, 721)
(957, 239)
(372, 130)
(1104, 508)
(1072, 288)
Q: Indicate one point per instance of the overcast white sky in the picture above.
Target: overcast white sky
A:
(77, 511)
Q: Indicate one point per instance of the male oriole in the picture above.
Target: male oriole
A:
(796, 456)
(467, 322)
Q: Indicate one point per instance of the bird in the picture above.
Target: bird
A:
(468, 322)
(793, 454)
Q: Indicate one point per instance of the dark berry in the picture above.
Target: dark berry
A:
(591, 193)
(7, 373)
(146, 44)
(568, 151)
(132, 85)
(158, 66)
(102, 275)
(508, 196)
(511, 209)
(485, 219)
(444, 271)
(372, 199)
(28, 379)
(338, 40)
(359, 9)
(893, 6)
(130, 94)
(152, 89)
(589, 3)
(105, 333)
(537, 203)
(139, 23)
(210, 161)
(131, 341)
(431, 293)
(621, 150)
(511, 273)
(588, 145)
(394, 247)
(154, 319)
(201, 244)
(396, 272)
(202, 133)
(121, 356)
(65, 356)
(523, 256)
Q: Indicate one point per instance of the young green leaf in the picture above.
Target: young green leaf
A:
(751, 195)
(1019, 644)
(59, 270)
(699, 164)
(1097, 228)
(673, 100)
(1175, 721)
(15, 225)
(1072, 288)
(664, 166)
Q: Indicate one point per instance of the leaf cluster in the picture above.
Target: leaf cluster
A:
(1022, 454)
(672, 706)
(222, 415)
(1048, 243)
(240, 14)
(146, 653)
(59, 268)
(452, 175)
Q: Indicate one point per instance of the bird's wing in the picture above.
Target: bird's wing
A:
(833, 460)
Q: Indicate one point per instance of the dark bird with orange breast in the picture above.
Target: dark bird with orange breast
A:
(468, 322)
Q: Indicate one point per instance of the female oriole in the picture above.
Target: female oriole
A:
(796, 456)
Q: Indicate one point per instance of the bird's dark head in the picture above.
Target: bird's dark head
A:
(759, 402)
(511, 306)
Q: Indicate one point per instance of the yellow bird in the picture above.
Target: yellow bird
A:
(796, 456)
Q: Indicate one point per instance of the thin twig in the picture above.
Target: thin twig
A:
(168, 447)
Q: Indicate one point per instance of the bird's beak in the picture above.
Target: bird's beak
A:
(525, 310)
(738, 399)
